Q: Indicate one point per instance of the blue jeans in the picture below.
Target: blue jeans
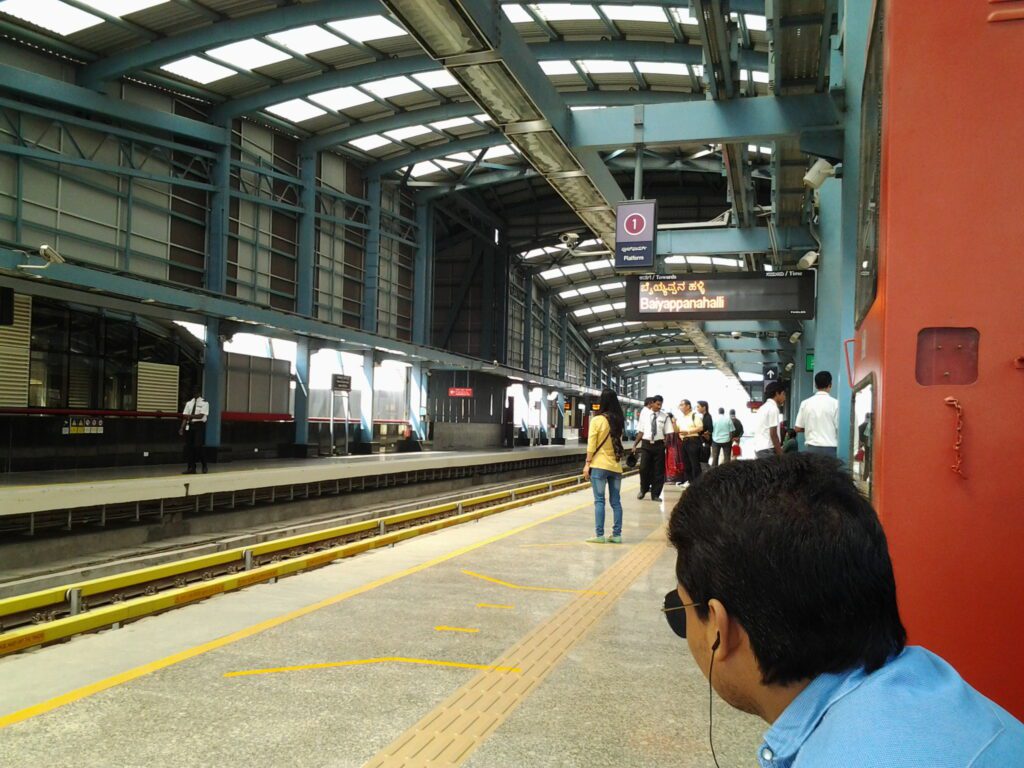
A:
(598, 478)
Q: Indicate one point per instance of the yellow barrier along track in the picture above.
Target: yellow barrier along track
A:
(54, 614)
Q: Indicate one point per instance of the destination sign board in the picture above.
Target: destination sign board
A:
(750, 296)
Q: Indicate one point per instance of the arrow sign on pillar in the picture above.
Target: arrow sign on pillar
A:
(771, 372)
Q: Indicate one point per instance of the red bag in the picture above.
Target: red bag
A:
(736, 450)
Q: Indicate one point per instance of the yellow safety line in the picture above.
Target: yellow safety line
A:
(493, 605)
(381, 660)
(145, 669)
(456, 629)
(532, 589)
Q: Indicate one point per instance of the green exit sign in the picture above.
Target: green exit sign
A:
(809, 362)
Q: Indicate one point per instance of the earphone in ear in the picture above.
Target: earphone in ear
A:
(718, 642)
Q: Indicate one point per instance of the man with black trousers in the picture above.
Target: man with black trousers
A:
(193, 427)
(650, 438)
(691, 427)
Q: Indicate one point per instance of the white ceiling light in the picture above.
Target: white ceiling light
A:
(296, 110)
(392, 86)
(558, 68)
(341, 98)
(366, 143)
(50, 14)
(441, 78)
(601, 67)
(367, 28)
(308, 39)
(248, 54)
(756, 22)
(198, 70)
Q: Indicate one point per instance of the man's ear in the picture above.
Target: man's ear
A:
(724, 634)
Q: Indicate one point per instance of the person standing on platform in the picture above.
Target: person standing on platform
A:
(737, 431)
(603, 467)
(766, 427)
(818, 418)
(650, 440)
(193, 427)
(721, 438)
(818, 652)
(409, 442)
(691, 426)
(705, 437)
(790, 445)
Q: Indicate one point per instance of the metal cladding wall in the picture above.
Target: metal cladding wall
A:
(950, 239)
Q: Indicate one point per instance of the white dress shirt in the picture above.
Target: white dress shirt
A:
(661, 423)
(201, 412)
(819, 419)
(767, 419)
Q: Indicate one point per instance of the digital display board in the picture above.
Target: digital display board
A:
(715, 296)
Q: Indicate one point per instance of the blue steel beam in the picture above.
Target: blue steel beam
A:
(694, 242)
(32, 86)
(704, 122)
(385, 167)
(193, 41)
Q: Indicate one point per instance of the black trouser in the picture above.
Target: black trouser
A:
(691, 457)
(195, 440)
(652, 467)
(723, 449)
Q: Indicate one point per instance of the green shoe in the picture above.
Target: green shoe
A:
(614, 539)
(596, 540)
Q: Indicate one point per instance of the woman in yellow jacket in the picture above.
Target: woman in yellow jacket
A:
(603, 467)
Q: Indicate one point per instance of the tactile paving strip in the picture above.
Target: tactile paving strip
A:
(449, 734)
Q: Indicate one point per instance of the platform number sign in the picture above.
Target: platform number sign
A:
(340, 383)
(636, 223)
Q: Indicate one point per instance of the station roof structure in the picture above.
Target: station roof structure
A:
(536, 117)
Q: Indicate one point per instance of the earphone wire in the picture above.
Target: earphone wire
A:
(711, 712)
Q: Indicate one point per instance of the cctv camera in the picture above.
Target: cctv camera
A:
(569, 238)
(50, 254)
(736, 335)
(789, 367)
(808, 260)
(795, 337)
(821, 170)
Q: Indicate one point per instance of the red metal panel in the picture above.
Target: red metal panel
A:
(950, 256)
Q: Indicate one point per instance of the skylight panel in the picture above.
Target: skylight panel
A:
(440, 78)
(248, 54)
(634, 13)
(367, 28)
(551, 274)
(503, 150)
(455, 122)
(483, 118)
(683, 15)
(447, 164)
(341, 98)
(719, 261)
(593, 266)
(307, 39)
(121, 7)
(392, 86)
(757, 76)
(583, 311)
(765, 150)
(756, 22)
(573, 269)
(296, 110)
(586, 109)
(466, 157)
(198, 70)
(612, 286)
(423, 169)
(705, 260)
(516, 13)
(558, 68)
(565, 12)
(569, 294)
(51, 14)
(662, 68)
(401, 134)
(366, 143)
(698, 69)
(619, 305)
(603, 308)
(533, 254)
(601, 67)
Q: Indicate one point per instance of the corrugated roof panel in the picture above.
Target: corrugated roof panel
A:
(291, 69)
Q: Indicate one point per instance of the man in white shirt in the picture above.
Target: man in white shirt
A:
(193, 426)
(691, 427)
(818, 418)
(650, 440)
(766, 426)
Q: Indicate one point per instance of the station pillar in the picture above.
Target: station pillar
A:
(213, 377)
(301, 392)
(366, 400)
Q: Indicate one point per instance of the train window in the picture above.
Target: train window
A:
(871, 170)
(862, 436)
(947, 356)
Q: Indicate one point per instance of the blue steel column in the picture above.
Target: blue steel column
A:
(371, 272)
(304, 290)
(216, 281)
(545, 355)
(422, 288)
(528, 320)
(366, 400)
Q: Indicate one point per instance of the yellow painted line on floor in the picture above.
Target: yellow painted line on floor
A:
(494, 605)
(456, 629)
(380, 660)
(449, 734)
(132, 674)
(531, 589)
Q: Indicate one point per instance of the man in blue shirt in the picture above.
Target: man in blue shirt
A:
(787, 599)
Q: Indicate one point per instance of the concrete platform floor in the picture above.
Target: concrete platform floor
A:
(590, 673)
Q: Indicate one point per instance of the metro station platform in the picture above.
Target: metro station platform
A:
(506, 642)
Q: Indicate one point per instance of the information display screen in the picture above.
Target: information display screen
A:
(768, 296)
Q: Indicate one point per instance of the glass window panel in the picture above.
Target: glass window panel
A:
(46, 379)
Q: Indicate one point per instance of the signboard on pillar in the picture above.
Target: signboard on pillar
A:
(771, 372)
(636, 226)
(341, 383)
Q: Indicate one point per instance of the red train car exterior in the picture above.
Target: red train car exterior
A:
(951, 256)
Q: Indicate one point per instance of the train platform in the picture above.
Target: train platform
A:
(504, 642)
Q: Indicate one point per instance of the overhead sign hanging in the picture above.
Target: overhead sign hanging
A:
(636, 225)
(721, 296)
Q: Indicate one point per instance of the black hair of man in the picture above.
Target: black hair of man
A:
(798, 558)
(648, 401)
(822, 380)
(684, 400)
(612, 410)
(722, 411)
(657, 399)
(772, 388)
(732, 411)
